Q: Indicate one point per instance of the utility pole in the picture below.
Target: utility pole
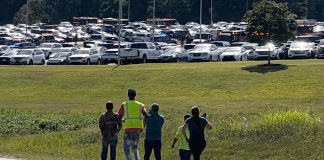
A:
(129, 3)
(27, 16)
(211, 12)
(153, 21)
(200, 20)
(119, 28)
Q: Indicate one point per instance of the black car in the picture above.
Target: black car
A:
(59, 58)
(5, 59)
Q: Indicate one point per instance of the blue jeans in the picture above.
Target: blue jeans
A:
(184, 154)
(131, 142)
(104, 152)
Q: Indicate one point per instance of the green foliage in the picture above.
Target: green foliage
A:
(272, 20)
(274, 125)
(21, 123)
(271, 126)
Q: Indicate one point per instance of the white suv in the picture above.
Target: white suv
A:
(85, 56)
(29, 56)
(300, 49)
(204, 52)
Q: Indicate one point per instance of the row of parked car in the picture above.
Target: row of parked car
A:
(142, 52)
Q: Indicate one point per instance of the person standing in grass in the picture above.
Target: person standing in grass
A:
(196, 126)
(184, 150)
(131, 111)
(153, 136)
(110, 124)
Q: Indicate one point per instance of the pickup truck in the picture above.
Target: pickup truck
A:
(140, 52)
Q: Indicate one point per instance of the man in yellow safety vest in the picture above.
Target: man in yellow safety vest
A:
(132, 113)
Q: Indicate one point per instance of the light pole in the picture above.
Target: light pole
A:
(119, 28)
(211, 12)
(200, 20)
(129, 3)
(27, 16)
(153, 21)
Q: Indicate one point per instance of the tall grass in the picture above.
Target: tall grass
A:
(272, 125)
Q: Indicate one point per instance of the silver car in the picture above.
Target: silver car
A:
(85, 56)
(204, 52)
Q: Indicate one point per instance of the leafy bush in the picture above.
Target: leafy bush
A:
(23, 123)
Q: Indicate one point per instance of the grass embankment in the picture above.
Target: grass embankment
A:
(233, 94)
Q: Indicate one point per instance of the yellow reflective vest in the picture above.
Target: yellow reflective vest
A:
(132, 114)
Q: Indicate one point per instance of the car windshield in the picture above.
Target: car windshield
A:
(121, 46)
(45, 46)
(25, 52)
(63, 50)
(171, 51)
(59, 55)
(81, 52)
(233, 49)
(248, 47)
(202, 48)
(8, 54)
(299, 45)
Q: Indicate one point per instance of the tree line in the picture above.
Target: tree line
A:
(54, 11)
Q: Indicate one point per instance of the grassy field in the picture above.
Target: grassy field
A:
(233, 94)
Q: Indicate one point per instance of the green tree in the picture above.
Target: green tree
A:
(35, 14)
(270, 21)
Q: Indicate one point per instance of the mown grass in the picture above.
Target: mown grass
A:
(237, 96)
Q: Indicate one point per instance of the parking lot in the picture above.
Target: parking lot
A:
(104, 41)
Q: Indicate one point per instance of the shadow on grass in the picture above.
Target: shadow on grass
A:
(265, 68)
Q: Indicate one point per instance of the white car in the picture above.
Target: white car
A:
(300, 49)
(85, 56)
(204, 52)
(28, 56)
(262, 52)
(49, 48)
(234, 54)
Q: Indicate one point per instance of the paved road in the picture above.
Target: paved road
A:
(7, 159)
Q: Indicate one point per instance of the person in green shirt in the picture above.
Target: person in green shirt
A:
(184, 150)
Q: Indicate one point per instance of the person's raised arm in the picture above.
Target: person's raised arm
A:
(185, 126)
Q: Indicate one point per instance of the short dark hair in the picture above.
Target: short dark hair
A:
(195, 111)
(131, 93)
(186, 116)
(109, 105)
